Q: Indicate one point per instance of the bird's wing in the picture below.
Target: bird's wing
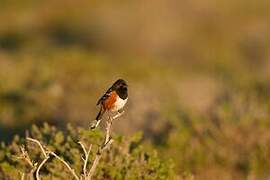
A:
(105, 96)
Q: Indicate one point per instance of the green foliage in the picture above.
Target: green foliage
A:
(125, 159)
(232, 140)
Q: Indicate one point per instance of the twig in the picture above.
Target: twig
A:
(66, 164)
(86, 157)
(26, 157)
(40, 146)
(107, 142)
(118, 115)
(83, 147)
(47, 156)
(39, 167)
(23, 176)
(97, 158)
(108, 129)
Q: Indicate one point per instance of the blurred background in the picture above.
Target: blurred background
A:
(198, 75)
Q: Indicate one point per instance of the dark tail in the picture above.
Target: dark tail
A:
(98, 118)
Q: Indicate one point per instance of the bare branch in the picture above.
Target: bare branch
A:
(118, 115)
(83, 147)
(47, 156)
(25, 156)
(97, 158)
(107, 142)
(98, 122)
(40, 145)
(66, 164)
(86, 157)
(108, 129)
(22, 176)
(107, 145)
(39, 167)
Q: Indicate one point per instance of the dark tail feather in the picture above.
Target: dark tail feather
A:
(98, 118)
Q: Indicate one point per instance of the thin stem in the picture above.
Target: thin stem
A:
(83, 147)
(67, 165)
(108, 129)
(47, 156)
(23, 176)
(39, 167)
(40, 146)
(44, 153)
(97, 158)
(118, 115)
(86, 157)
(26, 157)
(107, 142)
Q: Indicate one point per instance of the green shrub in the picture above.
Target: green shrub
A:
(125, 159)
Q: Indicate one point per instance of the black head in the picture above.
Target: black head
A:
(121, 87)
(120, 83)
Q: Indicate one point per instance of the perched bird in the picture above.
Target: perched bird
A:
(113, 100)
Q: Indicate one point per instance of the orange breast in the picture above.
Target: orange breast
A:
(109, 102)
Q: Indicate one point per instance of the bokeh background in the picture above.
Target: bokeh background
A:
(198, 75)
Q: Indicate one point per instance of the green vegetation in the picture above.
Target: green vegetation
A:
(126, 159)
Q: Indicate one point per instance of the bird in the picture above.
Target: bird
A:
(113, 100)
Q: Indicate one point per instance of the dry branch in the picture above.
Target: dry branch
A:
(47, 156)
(97, 158)
(66, 164)
(39, 144)
(85, 158)
(39, 167)
(107, 142)
(25, 156)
